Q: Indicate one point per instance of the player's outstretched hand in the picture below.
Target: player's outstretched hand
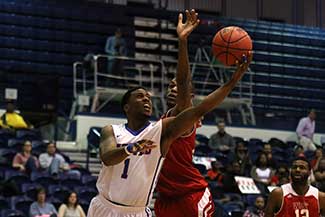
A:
(191, 22)
(242, 66)
(143, 146)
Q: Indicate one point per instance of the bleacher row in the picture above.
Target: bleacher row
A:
(57, 187)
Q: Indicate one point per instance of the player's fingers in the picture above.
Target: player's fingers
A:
(180, 18)
(150, 146)
(188, 16)
(192, 15)
(197, 23)
(195, 15)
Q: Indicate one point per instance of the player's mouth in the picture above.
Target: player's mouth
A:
(147, 107)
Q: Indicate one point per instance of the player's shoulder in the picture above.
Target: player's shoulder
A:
(277, 193)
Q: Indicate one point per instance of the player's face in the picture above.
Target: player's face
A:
(140, 103)
(171, 94)
(300, 171)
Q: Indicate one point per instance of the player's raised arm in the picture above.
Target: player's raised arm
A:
(175, 127)
(183, 75)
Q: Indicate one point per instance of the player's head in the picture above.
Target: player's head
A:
(172, 93)
(300, 170)
(137, 101)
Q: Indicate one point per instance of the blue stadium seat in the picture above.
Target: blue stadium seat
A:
(58, 191)
(21, 203)
(89, 180)
(12, 213)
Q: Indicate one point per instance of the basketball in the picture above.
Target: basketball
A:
(230, 43)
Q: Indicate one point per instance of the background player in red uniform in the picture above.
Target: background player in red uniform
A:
(298, 198)
(182, 190)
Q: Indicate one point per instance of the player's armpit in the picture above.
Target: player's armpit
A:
(274, 202)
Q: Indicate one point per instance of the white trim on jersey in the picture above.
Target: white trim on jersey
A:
(204, 205)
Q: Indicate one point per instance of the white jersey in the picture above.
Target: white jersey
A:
(132, 181)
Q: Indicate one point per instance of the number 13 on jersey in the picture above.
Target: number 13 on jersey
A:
(302, 213)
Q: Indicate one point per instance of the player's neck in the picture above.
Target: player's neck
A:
(300, 188)
(137, 124)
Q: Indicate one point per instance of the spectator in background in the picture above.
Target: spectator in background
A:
(281, 176)
(115, 46)
(215, 173)
(298, 150)
(25, 161)
(229, 183)
(242, 157)
(267, 149)
(221, 140)
(11, 119)
(318, 156)
(320, 175)
(262, 173)
(257, 210)
(305, 131)
(53, 162)
(71, 207)
(40, 208)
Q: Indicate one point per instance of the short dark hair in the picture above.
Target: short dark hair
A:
(302, 158)
(127, 95)
(40, 189)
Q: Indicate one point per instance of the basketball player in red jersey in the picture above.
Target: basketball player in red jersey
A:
(182, 190)
(298, 198)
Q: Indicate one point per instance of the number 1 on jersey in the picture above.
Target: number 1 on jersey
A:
(126, 168)
(302, 213)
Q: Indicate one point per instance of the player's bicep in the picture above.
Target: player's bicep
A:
(107, 140)
(322, 203)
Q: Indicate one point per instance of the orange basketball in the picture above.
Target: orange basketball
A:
(230, 43)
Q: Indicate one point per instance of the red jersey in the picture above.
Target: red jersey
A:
(294, 205)
(178, 175)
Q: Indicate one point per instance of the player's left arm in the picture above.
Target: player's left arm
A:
(321, 198)
(175, 127)
(183, 75)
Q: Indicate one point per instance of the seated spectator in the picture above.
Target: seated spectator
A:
(215, 173)
(298, 150)
(221, 140)
(11, 119)
(40, 208)
(320, 175)
(262, 173)
(70, 207)
(267, 149)
(53, 162)
(281, 176)
(318, 156)
(257, 210)
(229, 183)
(25, 161)
(242, 157)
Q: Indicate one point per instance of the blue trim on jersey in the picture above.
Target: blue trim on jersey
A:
(154, 178)
(136, 132)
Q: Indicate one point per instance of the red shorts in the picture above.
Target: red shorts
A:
(197, 204)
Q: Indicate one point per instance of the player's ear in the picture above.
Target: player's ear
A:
(126, 107)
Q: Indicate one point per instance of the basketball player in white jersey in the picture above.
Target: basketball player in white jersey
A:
(298, 198)
(132, 153)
